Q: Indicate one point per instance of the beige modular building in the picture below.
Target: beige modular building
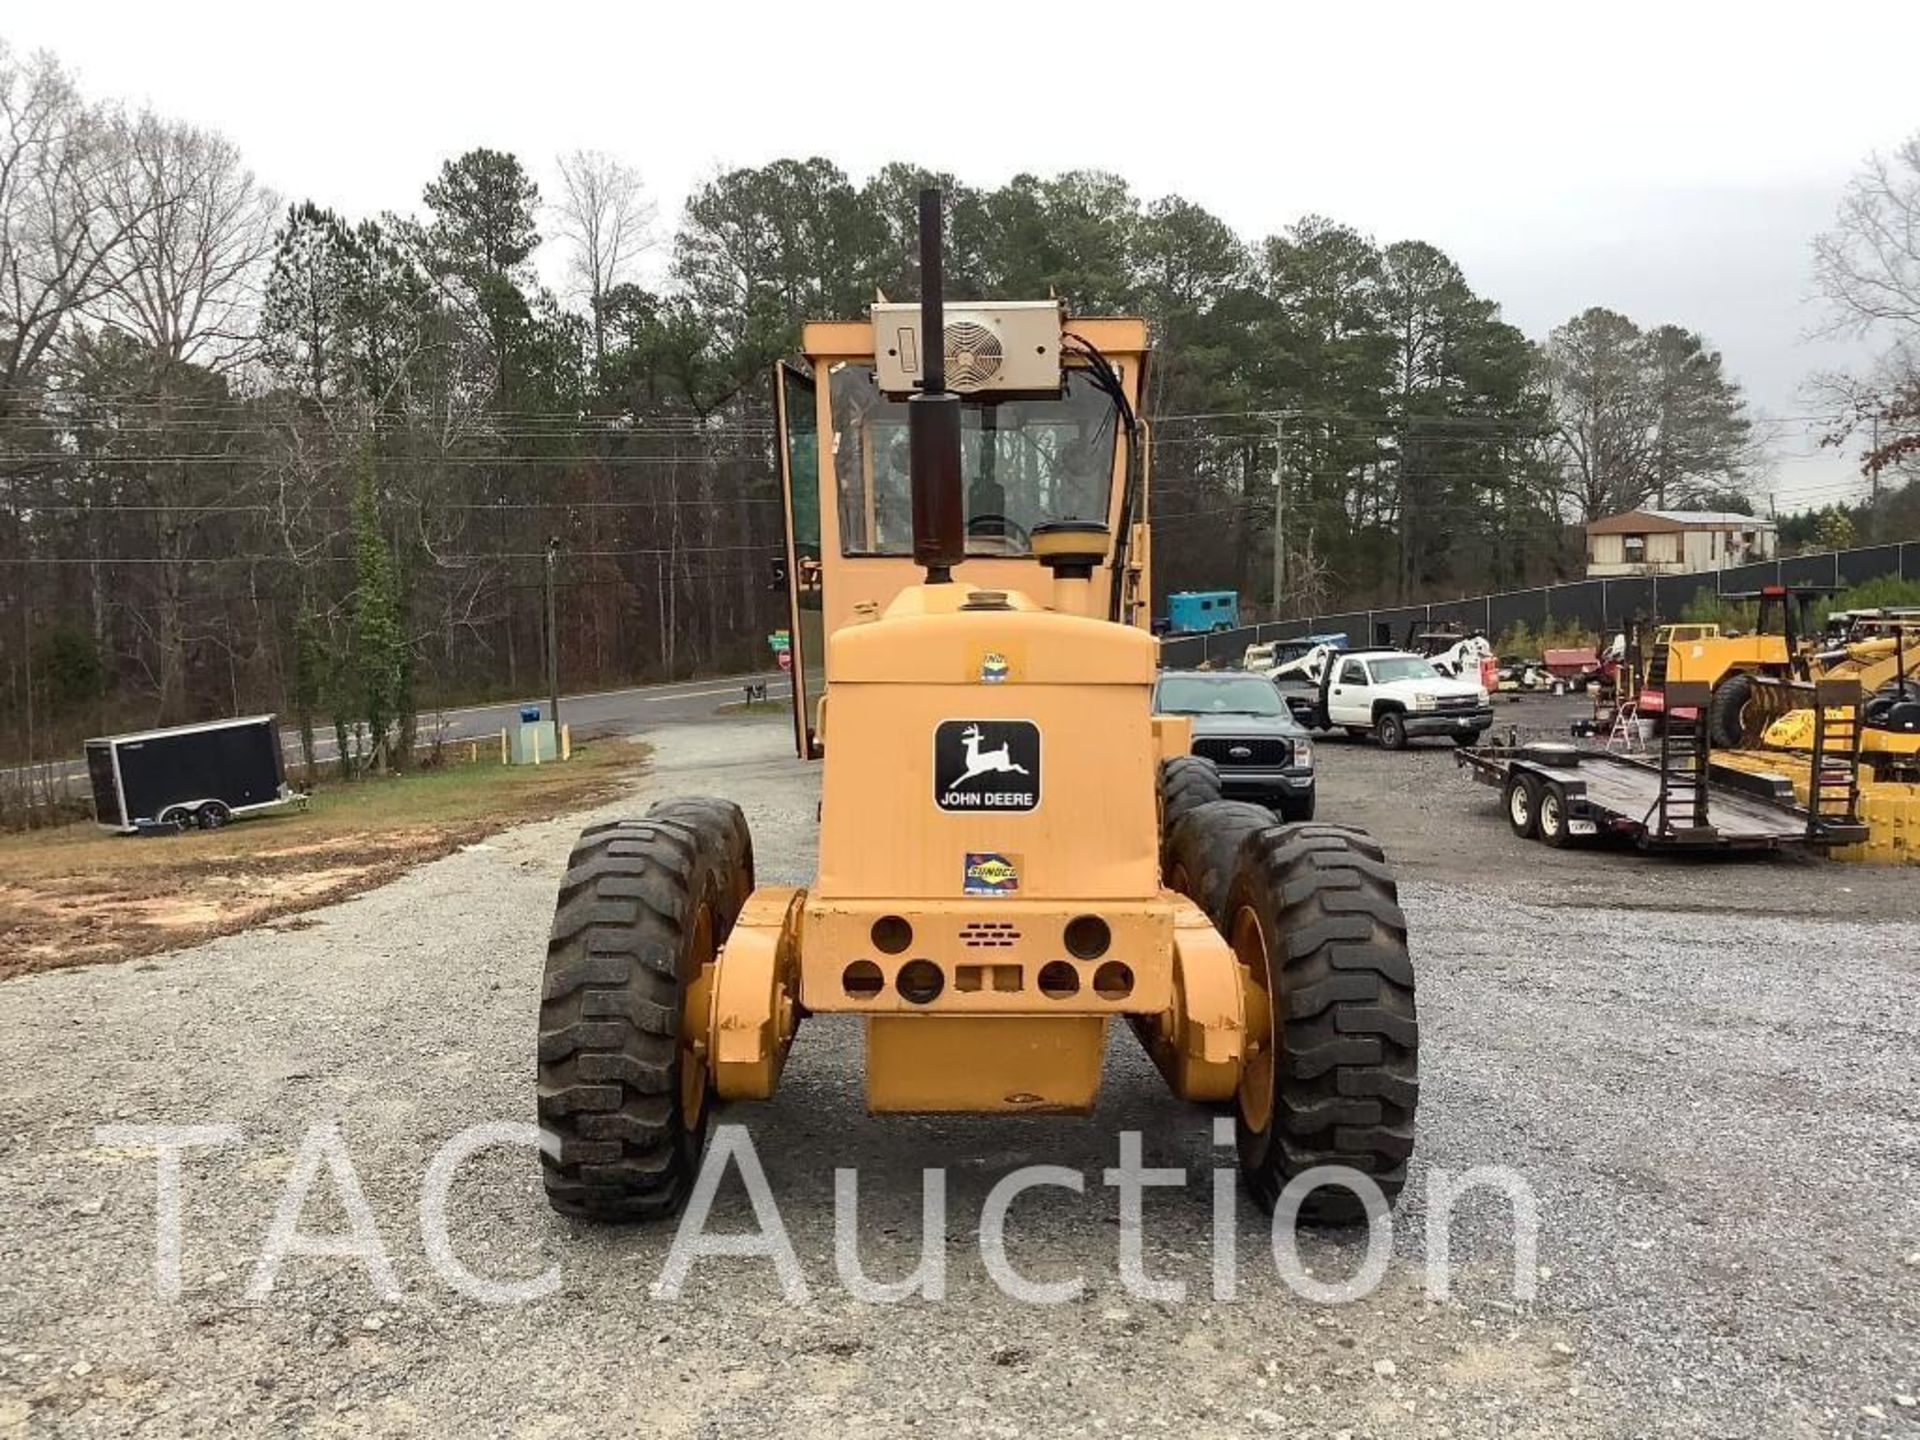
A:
(1677, 542)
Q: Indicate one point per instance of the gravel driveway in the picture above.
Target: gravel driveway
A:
(1706, 1075)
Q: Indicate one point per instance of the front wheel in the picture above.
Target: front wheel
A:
(1295, 808)
(212, 815)
(1391, 731)
(1521, 799)
(622, 1082)
(1332, 1073)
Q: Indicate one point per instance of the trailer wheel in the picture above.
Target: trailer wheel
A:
(1391, 731)
(1332, 1077)
(1521, 797)
(1186, 783)
(1551, 817)
(212, 815)
(177, 817)
(621, 1082)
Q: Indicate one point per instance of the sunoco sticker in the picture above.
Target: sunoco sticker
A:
(990, 873)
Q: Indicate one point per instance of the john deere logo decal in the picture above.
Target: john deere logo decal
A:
(993, 668)
(986, 765)
(988, 873)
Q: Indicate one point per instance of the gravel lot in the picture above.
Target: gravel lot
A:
(1706, 1074)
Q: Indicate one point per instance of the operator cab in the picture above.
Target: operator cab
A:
(1052, 468)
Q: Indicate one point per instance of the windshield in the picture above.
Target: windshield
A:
(1180, 695)
(1025, 462)
(1407, 667)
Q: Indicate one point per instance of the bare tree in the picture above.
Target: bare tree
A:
(57, 245)
(199, 231)
(1867, 269)
(607, 222)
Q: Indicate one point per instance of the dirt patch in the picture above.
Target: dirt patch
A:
(79, 897)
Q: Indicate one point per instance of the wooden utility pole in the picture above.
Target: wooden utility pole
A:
(553, 638)
(1279, 512)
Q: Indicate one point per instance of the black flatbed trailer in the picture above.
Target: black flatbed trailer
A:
(1679, 799)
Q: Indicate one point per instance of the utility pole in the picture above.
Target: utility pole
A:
(1279, 512)
(1873, 469)
(553, 639)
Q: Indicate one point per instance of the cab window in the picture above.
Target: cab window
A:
(1024, 462)
(1352, 672)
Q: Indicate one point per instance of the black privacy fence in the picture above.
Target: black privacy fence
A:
(1602, 606)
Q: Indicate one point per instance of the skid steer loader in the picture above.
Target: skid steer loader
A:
(1015, 852)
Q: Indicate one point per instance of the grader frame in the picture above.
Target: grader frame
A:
(1015, 852)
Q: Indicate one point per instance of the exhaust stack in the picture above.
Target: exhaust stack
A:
(933, 421)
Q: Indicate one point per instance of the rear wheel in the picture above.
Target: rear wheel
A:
(1552, 819)
(212, 815)
(622, 1085)
(1391, 731)
(1186, 783)
(177, 817)
(1521, 798)
(1332, 1075)
(1204, 848)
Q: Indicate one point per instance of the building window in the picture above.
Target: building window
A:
(1636, 549)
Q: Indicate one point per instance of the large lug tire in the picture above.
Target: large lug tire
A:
(1552, 819)
(1186, 783)
(1317, 930)
(1203, 851)
(1391, 731)
(1520, 798)
(643, 910)
(1727, 711)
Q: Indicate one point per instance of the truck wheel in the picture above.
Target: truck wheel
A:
(1322, 946)
(1727, 711)
(1391, 731)
(621, 1084)
(1296, 809)
(1203, 849)
(1186, 783)
(1521, 798)
(1552, 818)
(212, 815)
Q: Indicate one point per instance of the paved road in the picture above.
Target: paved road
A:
(599, 712)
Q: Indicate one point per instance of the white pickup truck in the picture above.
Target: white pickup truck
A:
(1392, 695)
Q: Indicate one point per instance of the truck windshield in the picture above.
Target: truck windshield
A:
(1180, 695)
(1024, 462)
(1406, 667)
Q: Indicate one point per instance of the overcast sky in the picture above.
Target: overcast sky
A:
(1672, 161)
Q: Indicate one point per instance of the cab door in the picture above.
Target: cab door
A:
(793, 393)
(1349, 702)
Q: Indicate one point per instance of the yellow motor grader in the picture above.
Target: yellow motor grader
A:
(1015, 852)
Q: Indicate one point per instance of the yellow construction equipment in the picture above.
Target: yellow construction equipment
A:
(1014, 852)
(1886, 747)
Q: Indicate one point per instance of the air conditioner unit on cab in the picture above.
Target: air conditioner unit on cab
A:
(992, 347)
